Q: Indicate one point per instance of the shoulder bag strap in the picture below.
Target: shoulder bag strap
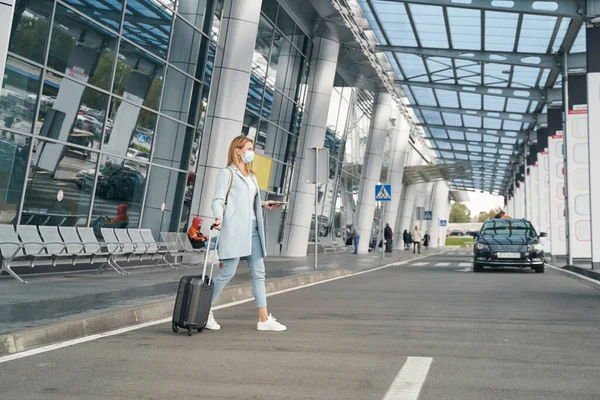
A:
(228, 189)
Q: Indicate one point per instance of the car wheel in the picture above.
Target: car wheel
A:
(539, 269)
(477, 268)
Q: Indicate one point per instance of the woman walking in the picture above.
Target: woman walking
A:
(406, 238)
(237, 210)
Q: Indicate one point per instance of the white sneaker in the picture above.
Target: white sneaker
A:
(211, 323)
(270, 324)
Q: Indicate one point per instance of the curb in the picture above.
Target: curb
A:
(27, 339)
(583, 271)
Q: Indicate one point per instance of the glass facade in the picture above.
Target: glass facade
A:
(103, 104)
(276, 96)
(348, 122)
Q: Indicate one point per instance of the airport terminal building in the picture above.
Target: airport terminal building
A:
(134, 102)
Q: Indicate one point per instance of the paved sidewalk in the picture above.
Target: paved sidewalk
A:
(49, 299)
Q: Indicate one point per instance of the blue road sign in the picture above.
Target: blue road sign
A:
(383, 192)
(428, 215)
(443, 223)
(141, 138)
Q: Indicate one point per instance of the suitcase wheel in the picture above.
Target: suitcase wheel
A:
(200, 329)
(175, 328)
(190, 331)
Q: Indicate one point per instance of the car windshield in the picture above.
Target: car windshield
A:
(508, 228)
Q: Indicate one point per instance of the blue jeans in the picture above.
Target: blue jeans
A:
(257, 269)
(356, 244)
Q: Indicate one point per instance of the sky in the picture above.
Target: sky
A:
(483, 202)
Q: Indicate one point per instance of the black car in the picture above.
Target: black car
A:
(115, 181)
(508, 243)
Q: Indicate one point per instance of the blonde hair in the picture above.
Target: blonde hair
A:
(234, 158)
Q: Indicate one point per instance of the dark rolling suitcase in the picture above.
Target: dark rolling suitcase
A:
(194, 295)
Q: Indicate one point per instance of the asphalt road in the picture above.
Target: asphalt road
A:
(493, 335)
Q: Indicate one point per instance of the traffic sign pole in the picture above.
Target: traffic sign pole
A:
(383, 194)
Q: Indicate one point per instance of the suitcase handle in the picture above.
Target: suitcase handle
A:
(207, 253)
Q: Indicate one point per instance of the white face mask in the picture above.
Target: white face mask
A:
(248, 157)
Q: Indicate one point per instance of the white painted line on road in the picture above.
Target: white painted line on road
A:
(410, 379)
(67, 343)
(420, 264)
(442, 264)
(566, 271)
(465, 265)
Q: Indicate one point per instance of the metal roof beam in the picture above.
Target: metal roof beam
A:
(476, 154)
(509, 134)
(496, 57)
(470, 143)
(563, 8)
(516, 117)
(518, 93)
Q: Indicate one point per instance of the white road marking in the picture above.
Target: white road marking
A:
(410, 379)
(67, 343)
(465, 270)
(465, 264)
(420, 264)
(442, 264)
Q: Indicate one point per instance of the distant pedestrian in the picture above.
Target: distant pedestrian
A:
(388, 235)
(426, 240)
(355, 235)
(416, 239)
(406, 239)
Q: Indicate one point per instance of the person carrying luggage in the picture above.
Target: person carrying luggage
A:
(416, 239)
(354, 235)
(237, 210)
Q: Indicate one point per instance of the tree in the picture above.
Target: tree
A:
(491, 214)
(460, 213)
(483, 216)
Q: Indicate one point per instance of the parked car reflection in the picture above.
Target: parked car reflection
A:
(115, 181)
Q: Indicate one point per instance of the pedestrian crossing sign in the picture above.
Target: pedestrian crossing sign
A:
(383, 192)
(428, 215)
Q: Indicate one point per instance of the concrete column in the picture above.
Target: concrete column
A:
(400, 153)
(371, 172)
(320, 85)
(6, 16)
(227, 100)
(407, 204)
(423, 200)
(440, 200)
(593, 99)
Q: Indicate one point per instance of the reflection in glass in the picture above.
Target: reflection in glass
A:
(165, 199)
(30, 25)
(139, 77)
(120, 182)
(13, 161)
(194, 11)
(81, 49)
(177, 94)
(185, 47)
(174, 143)
(148, 24)
(107, 12)
(70, 112)
(56, 194)
(130, 131)
(18, 96)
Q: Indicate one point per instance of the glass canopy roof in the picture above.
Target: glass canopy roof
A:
(476, 73)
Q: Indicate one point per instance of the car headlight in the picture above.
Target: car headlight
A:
(535, 247)
(482, 246)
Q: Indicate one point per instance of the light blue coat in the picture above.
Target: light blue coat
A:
(236, 230)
